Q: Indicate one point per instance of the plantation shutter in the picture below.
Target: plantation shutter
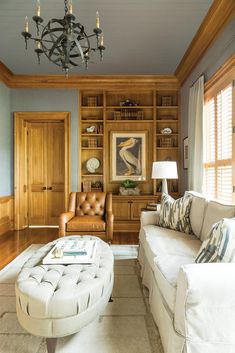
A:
(218, 154)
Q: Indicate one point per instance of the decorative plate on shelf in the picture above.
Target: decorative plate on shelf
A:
(92, 164)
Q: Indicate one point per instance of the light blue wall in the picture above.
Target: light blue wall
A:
(6, 143)
(215, 56)
(52, 100)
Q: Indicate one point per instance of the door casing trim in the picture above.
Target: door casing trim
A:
(20, 159)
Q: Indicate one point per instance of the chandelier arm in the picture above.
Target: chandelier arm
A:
(91, 35)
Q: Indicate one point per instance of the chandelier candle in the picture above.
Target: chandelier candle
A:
(38, 8)
(97, 19)
(26, 24)
(64, 41)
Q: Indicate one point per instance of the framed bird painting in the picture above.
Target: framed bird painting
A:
(128, 155)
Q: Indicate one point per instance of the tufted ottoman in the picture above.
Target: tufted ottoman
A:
(59, 300)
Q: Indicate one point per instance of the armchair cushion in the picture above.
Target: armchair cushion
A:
(86, 224)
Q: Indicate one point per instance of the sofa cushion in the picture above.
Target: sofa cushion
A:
(86, 224)
(197, 211)
(174, 214)
(157, 240)
(215, 211)
(166, 271)
(220, 245)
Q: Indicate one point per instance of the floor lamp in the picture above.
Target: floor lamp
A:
(164, 170)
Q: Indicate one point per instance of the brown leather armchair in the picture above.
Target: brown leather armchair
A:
(89, 213)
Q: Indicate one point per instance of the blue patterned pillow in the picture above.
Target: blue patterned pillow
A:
(175, 214)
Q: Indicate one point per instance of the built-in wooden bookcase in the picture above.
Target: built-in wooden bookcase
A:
(104, 112)
(167, 146)
(91, 138)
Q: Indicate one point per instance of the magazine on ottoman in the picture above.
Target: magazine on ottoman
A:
(72, 252)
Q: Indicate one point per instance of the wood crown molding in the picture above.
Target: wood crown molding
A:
(5, 74)
(221, 74)
(217, 17)
(88, 81)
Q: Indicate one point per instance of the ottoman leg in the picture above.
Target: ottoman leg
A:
(51, 344)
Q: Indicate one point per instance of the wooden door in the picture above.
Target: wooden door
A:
(37, 173)
(55, 172)
(46, 174)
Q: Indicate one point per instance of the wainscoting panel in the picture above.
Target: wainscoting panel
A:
(6, 213)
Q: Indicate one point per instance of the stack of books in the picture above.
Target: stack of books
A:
(151, 206)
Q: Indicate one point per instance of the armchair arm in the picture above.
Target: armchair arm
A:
(64, 218)
(149, 217)
(205, 306)
(109, 216)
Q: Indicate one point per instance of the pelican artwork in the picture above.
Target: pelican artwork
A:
(131, 161)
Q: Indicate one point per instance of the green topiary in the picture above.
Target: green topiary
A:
(129, 184)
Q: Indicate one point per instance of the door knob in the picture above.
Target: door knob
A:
(44, 188)
(49, 188)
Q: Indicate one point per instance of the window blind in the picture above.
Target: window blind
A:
(218, 170)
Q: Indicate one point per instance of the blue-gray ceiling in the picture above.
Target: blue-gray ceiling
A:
(141, 36)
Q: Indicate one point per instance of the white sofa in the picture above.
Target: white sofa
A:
(192, 304)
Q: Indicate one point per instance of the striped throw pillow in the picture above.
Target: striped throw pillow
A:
(174, 214)
(220, 244)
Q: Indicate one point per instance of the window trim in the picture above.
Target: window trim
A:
(224, 77)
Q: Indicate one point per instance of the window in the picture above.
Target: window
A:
(218, 172)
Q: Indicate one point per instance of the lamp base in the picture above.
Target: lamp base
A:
(164, 186)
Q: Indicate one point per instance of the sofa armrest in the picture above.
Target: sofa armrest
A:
(205, 304)
(64, 218)
(149, 217)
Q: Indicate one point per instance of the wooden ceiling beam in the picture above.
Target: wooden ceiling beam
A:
(217, 17)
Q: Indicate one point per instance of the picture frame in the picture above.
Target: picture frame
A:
(185, 153)
(128, 155)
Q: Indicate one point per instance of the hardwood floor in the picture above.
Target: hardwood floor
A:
(14, 242)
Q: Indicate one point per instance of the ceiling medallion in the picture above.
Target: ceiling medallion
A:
(64, 41)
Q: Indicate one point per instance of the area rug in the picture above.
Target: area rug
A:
(126, 326)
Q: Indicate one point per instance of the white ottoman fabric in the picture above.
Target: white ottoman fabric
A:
(58, 300)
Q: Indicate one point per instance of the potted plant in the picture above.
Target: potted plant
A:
(129, 187)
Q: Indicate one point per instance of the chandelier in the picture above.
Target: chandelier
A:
(64, 41)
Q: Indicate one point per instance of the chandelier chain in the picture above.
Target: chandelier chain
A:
(66, 6)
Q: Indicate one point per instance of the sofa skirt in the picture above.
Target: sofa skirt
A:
(172, 342)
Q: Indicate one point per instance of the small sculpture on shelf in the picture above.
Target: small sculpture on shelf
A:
(129, 187)
(128, 103)
(91, 129)
(97, 186)
(166, 131)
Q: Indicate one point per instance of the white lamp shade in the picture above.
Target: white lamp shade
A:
(164, 170)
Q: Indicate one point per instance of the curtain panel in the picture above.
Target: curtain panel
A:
(195, 134)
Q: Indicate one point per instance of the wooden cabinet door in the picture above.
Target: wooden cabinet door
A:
(55, 172)
(121, 210)
(37, 180)
(136, 207)
(46, 172)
